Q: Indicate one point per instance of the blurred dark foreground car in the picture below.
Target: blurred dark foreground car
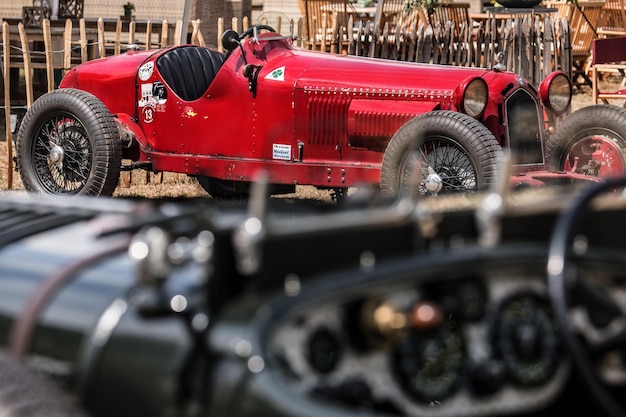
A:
(492, 306)
(306, 118)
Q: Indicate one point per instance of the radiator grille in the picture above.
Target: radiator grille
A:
(524, 128)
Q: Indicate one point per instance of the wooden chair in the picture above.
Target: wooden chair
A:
(612, 19)
(324, 21)
(608, 54)
(451, 12)
(583, 18)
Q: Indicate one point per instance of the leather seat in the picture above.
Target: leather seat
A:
(189, 70)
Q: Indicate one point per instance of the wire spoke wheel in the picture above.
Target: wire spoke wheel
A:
(62, 155)
(440, 152)
(69, 144)
(450, 163)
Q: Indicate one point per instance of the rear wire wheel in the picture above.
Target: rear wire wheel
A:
(456, 148)
(68, 144)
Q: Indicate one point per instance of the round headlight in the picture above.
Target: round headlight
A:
(475, 97)
(557, 94)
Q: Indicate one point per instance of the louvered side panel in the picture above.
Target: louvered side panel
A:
(377, 123)
(328, 120)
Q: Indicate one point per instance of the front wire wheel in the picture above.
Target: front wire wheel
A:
(61, 155)
(68, 144)
(440, 152)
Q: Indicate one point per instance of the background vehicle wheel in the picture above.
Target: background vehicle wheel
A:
(68, 144)
(25, 393)
(592, 141)
(458, 149)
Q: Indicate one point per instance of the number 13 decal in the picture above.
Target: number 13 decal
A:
(148, 114)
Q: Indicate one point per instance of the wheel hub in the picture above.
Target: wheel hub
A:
(57, 154)
(433, 182)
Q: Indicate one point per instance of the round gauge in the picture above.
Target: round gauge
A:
(429, 365)
(472, 299)
(526, 338)
(324, 350)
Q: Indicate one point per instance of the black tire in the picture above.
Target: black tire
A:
(592, 128)
(26, 393)
(461, 150)
(68, 144)
(224, 189)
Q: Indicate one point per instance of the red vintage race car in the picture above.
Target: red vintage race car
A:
(293, 115)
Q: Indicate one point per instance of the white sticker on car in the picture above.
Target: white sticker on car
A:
(146, 70)
(146, 94)
(281, 152)
(278, 74)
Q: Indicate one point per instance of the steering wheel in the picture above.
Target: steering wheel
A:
(558, 286)
(250, 30)
(231, 39)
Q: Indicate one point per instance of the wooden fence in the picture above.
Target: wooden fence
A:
(532, 47)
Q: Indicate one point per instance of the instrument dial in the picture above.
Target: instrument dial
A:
(527, 340)
(429, 364)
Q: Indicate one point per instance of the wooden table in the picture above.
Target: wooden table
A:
(354, 11)
(498, 14)
(361, 11)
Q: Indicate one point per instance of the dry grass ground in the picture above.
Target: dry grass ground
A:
(168, 185)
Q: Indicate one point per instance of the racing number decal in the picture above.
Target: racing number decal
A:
(147, 114)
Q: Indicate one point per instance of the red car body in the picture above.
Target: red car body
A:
(297, 116)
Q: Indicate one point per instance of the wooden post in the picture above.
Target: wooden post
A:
(164, 32)
(177, 32)
(194, 33)
(67, 42)
(131, 32)
(220, 29)
(101, 40)
(83, 40)
(6, 50)
(118, 35)
(28, 75)
(47, 41)
(149, 35)
(201, 41)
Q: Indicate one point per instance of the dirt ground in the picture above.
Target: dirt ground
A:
(141, 184)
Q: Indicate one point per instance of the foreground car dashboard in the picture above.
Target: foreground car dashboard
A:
(480, 305)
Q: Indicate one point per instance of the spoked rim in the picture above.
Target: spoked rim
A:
(596, 155)
(62, 154)
(447, 160)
